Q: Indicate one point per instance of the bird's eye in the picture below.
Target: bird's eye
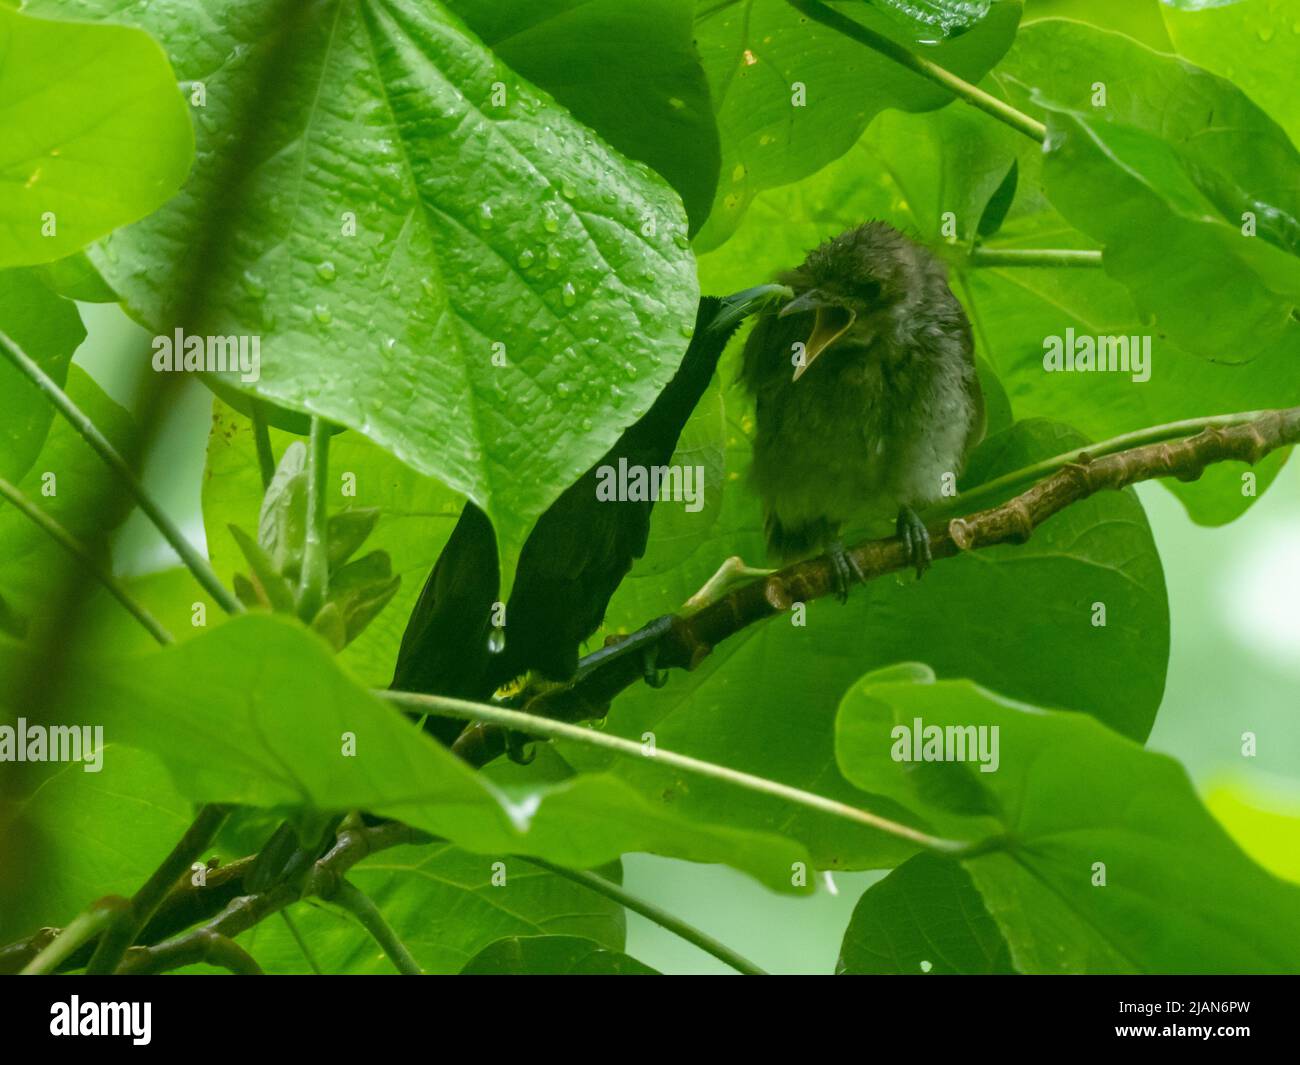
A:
(869, 289)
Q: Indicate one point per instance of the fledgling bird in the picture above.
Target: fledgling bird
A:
(866, 395)
(572, 562)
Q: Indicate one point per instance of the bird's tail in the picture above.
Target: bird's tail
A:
(791, 542)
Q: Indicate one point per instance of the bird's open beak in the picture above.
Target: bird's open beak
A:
(829, 324)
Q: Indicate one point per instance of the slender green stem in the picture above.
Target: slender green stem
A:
(1034, 257)
(358, 904)
(265, 454)
(546, 728)
(292, 925)
(315, 560)
(69, 543)
(82, 929)
(124, 929)
(1154, 434)
(651, 912)
(75, 417)
(972, 94)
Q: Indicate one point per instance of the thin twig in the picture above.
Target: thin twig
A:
(99, 443)
(124, 929)
(74, 547)
(651, 912)
(315, 565)
(972, 94)
(81, 930)
(989, 257)
(358, 903)
(546, 728)
(244, 911)
(262, 438)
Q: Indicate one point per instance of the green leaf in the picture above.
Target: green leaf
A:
(48, 329)
(629, 71)
(1175, 166)
(94, 134)
(1139, 19)
(386, 288)
(757, 54)
(1263, 816)
(765, 700)
(1108, 863)
(552, 956)
(442, 903)
(928, 18)
(256, 712)
(1253, 44)
(66, 480)
(75, 277)
(924, 917)
(96, 833)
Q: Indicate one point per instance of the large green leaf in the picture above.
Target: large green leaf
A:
(757, 54)
(924, 917)
(1253, 43)
(483, 234)
(1108, 861)
(1139, 19)
(552, 956)
(443, 904)
(257, 712)
(765, 699)
(93, 134)
(629, 71)
(48, 329)
(1164, 174)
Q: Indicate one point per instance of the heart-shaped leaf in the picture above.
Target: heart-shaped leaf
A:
(1107, 860)
(495, 331)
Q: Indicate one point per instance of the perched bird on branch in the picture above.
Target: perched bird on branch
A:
(866, 395)
(573, 560)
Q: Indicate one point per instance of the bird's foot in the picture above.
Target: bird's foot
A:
(730, 573)
(916, 539)
(645, 641)
(846, 570)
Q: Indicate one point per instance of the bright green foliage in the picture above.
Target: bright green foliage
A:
(471, 235)
(1107, 861)
(93, 134)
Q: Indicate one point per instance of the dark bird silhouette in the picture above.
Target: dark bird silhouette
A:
(866, 395)
(573, 560)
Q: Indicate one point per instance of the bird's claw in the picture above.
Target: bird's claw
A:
(846, 571)
(655, 678)
(916, 539)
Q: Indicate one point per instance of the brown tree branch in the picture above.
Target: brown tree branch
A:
(224, 903)
(690, 640)
(354, 842)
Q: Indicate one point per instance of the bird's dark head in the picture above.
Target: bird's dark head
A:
(850, 283)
